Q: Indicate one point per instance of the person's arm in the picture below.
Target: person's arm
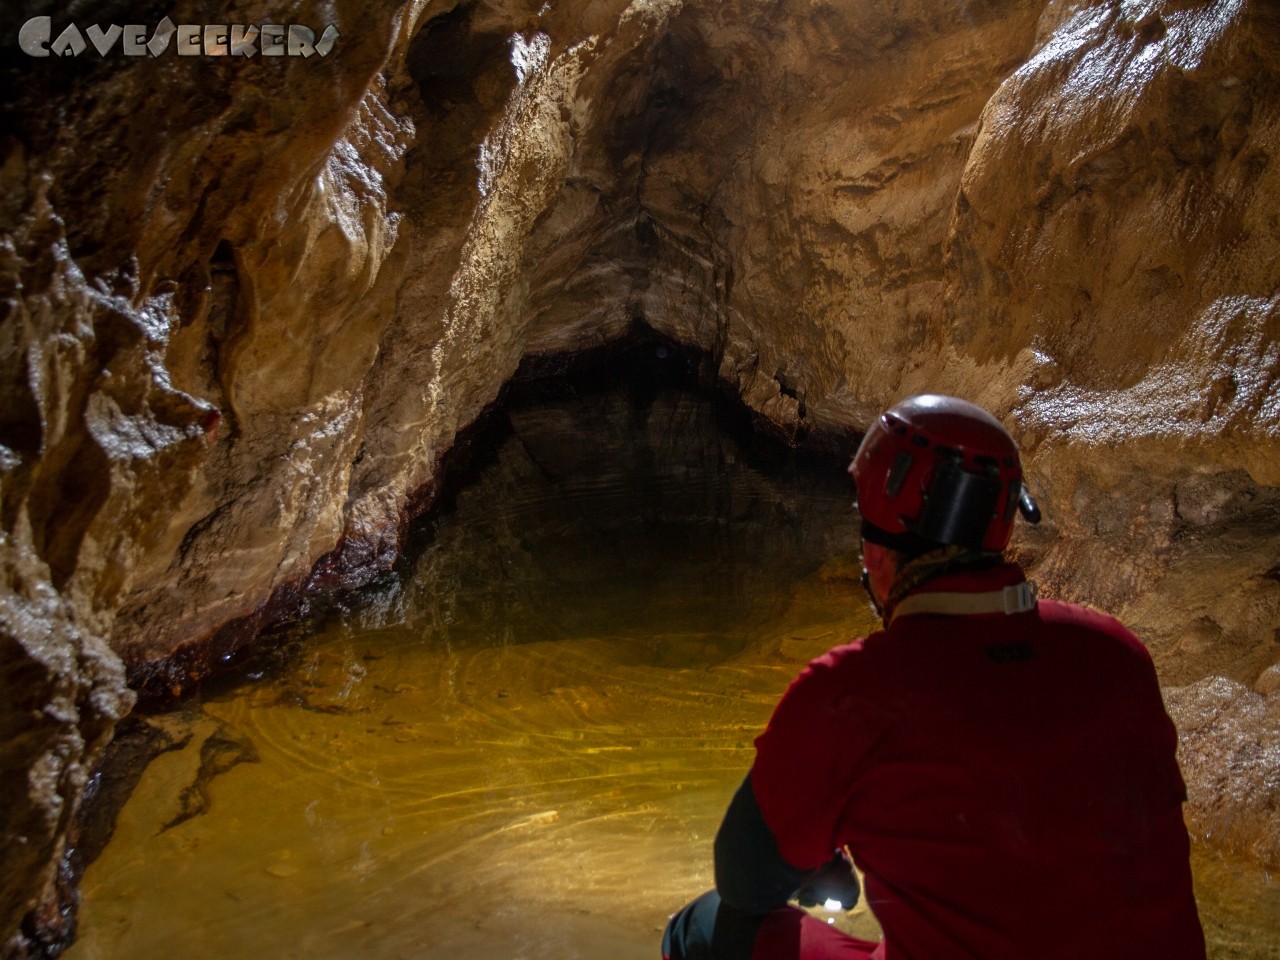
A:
(751, 875)
(780, 832)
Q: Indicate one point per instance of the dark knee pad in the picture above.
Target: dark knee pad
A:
(709, 929)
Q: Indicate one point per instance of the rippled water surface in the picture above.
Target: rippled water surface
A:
(521, 746)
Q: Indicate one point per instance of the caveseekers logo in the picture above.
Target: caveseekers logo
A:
(190, 40)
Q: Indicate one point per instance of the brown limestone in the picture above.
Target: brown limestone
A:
(62, 692)
(127, 187)
(1114, 249)
(248, 306)
(1229, 750)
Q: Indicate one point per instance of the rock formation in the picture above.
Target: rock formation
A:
(1229, 749)
(250, 303)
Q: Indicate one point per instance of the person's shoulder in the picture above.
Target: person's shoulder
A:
(1081, 618)
(843, 680)
(850, 666)
(851, 652)
(1076, 614)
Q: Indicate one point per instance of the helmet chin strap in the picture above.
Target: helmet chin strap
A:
(875, 604)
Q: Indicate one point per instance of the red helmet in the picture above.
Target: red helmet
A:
(940, 470)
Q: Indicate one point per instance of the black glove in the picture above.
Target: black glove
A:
(834, 880)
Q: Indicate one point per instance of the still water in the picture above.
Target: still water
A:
(519, 746)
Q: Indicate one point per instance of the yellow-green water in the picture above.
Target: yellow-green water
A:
(552, 799)
(521, 746)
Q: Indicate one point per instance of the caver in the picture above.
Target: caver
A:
(1000, 767)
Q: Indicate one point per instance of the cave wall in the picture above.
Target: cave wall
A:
(249, 306)
(1116, 232)
(130, 190)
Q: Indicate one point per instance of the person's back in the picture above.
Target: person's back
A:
(1002, 769)
(1006, 782)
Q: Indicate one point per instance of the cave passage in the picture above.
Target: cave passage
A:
(521, 744)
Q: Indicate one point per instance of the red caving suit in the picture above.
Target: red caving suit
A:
(1007, 782)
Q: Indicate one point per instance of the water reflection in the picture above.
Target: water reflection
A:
(521, 745)
(605, 516)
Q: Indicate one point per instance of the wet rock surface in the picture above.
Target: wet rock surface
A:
(1229, 750)
(62, 691)
(244, 321)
